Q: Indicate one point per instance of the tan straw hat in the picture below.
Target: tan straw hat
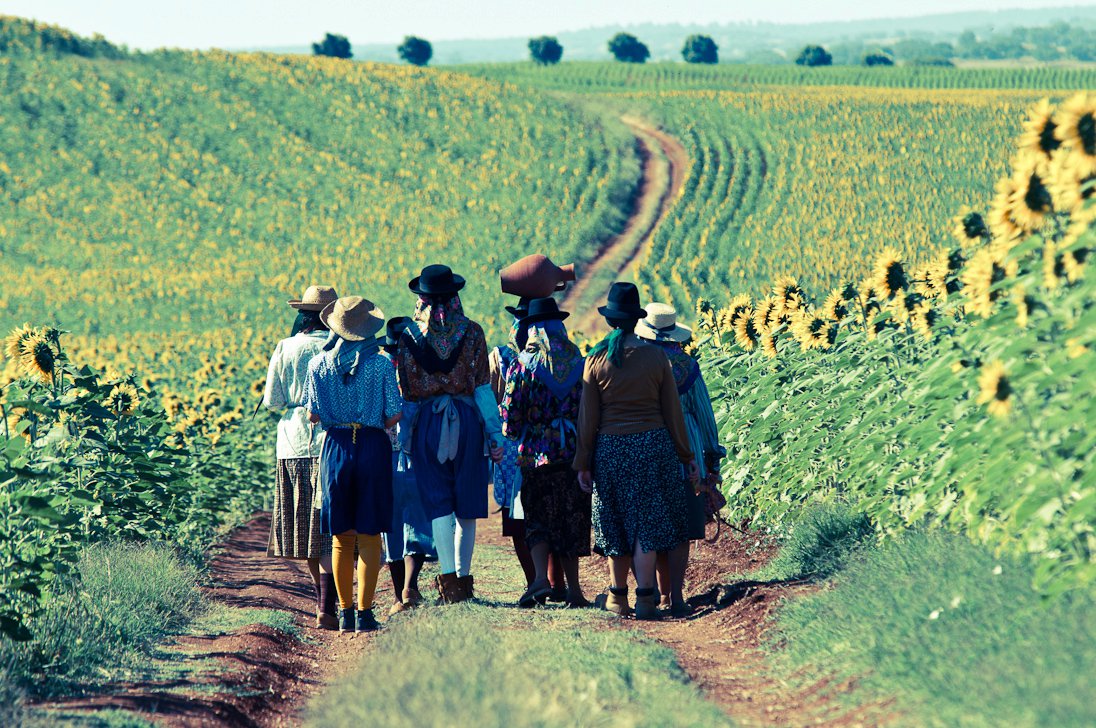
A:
(661, 324)
(315, 298)
(353, 318)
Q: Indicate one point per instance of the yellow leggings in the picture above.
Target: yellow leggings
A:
(369, 568)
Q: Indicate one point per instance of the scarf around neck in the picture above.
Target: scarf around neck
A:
(443, 325)
(552, 357)
(346, 356)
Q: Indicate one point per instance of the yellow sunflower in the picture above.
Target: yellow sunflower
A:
(786, 289)
(994, 389)
(985, 269)
(836, 306)
(813, 331)
(1069, 187)
(1038, 135)
(889, 275)
(767, 314)
(703, 309)
(768, 344)
(258, 387)
(1030, 201)
(740, 306)
(122, 400)
(1000, 220)
(1024, 304)
(970, 228)
(924, 318)
(38, 358)
(1076, 129)
(15, 344)
(746, 334)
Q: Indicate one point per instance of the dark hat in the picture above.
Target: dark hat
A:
(436, 280)
(623, 302)
(393, 330)
(542, 309)
(520, 310)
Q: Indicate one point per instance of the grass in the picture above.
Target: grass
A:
(948, 634)
(820, 544)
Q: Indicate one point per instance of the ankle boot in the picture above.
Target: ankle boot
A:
(449, 589)
(346, 620)
(366, 622)
(617, 601)
(467, 584)
(327, 618)
(647, 604)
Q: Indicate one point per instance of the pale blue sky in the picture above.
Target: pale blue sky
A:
(148, 24)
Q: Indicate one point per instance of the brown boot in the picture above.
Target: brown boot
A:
(467, 586)
(617, 601)
(449, 589)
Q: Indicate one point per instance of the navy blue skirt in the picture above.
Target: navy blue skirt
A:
(357, 481)
(456, 486)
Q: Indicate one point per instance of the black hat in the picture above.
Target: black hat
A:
(436, 280)
(542, 309)
(521, 310)
(393, 330)
(623, 302)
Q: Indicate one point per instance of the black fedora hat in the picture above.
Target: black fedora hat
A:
(520, 310)
(623, 302)
(436, 280)
(542, 309)
(393, 330)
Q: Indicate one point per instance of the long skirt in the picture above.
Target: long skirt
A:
(410, 531)
(638, 496)
(458, 485)
(357, 481)
(295, 521)
(557, 512)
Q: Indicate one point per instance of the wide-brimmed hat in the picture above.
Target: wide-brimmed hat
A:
(542, 309)
(661, 324)
(623, 302)
(521, 310)
(436, 280)
(353, 318)
(315, 298)
(393, 330)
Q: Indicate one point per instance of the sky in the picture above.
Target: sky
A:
(147, 24)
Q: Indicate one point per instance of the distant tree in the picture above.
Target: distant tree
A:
(335, 46)
(416, 51)
(878, 58)
(700, 49)
(814, 55)
(627, 48)
(545, 50)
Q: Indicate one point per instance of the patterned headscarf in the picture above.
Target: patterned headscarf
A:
(442, 323)
(686, 369)
(552, 357)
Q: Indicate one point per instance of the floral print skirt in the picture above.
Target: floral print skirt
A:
(557, 512)
(638, 493)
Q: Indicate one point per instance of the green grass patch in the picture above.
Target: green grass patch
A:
(219, 619)
(819, 544)
(952, 634)
(487, 666)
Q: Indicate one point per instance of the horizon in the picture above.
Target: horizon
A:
(202, 24)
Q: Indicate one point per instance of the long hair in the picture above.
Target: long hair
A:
(307, 322)
(613, 344)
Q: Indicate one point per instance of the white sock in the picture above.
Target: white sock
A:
(444, 529)
(466, 541)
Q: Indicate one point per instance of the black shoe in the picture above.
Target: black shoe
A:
(366, 621)
(346, 620)
(559, 594)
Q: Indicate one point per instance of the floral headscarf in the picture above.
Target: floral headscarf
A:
(552, 357)
(443, 324)
(686, 369)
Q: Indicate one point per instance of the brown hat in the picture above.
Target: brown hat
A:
(661, 324)
(353, 318)
(315, 298)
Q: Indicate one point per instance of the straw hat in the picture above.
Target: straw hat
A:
(661, 324)
(315, 298)
(353, 318)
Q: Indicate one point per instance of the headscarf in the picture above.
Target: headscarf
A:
(552, 357)
(686, 369)
(442, 323)
(347, 355)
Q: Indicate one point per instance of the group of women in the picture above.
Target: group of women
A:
(387, 443)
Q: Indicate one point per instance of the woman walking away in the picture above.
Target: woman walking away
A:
(539, 410)
(661, 328)
(631, 441)
(443, 369)
(352, 393)
(295, 522)
(409, 542)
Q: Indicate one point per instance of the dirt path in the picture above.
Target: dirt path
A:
(664, 163)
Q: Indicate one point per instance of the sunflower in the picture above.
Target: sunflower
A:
(1073, 261)
(122, 399)
(724, 321)
(889, 276)
(740, 306)
(703, 308)
(1030, 201)
(1024, 303)
(994, 389)
(15, 344)
(768, 344)
(746, 334)
(1077, 129)
(932, 279)
(1053, 269)
(836, 306)
(1000, 220)
(970, 228)
(38, 358)
(258, 387)
(1069, 186)
(767, 314)
(790, 295)
(813, 331)
(1038, 135)
(985, 269)
(924, 318)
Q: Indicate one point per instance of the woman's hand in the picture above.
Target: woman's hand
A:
(586, 481)
(693, 472)
(496, 454)
(313, 418)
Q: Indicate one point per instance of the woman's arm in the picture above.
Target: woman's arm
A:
(672, 413)
(701, 405)
(589, 420)
(274, 393)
